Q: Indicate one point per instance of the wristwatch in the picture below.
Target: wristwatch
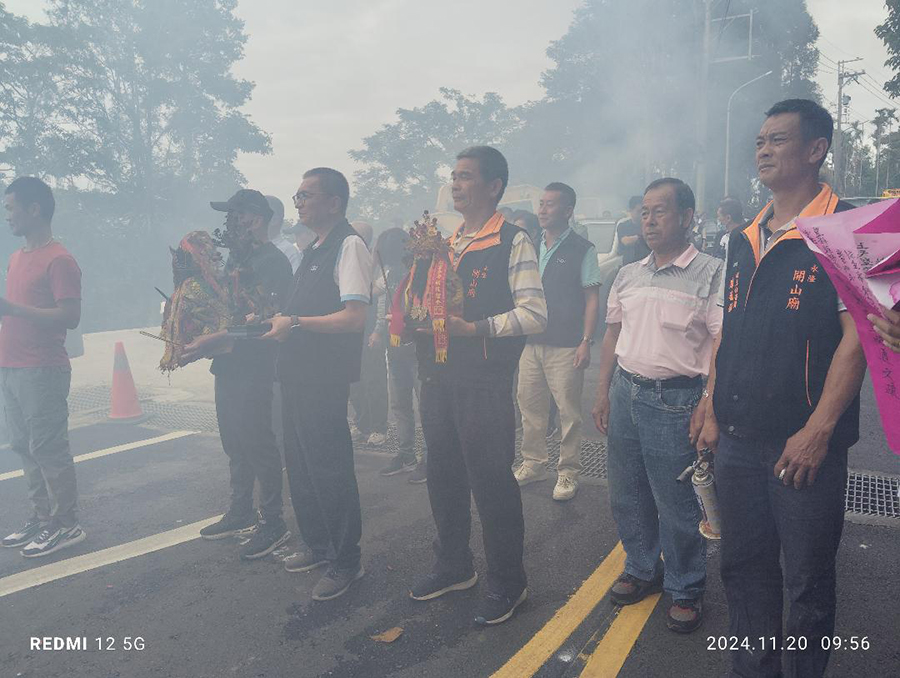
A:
(705, 393)
(587, 340)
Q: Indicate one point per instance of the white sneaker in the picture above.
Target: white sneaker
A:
(565, 488)
(355, 434)
(52, 539)
(528, 474)
(377, 439)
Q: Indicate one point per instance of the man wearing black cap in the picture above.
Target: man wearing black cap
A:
(322, 335)
(258, 277)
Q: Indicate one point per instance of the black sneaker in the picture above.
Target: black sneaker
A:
(52, 539)
(497, 608)
(420, 474)
(397, 466)
(437, 584)
(25, 534)
(269, 536)
(628, 589)
(304, 562)
(228, 526)
(685, 616)
(336, 582)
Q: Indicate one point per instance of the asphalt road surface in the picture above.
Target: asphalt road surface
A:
(150, 599)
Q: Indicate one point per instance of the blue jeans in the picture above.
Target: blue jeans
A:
(648, 447)
(402, 375)
(762, 520)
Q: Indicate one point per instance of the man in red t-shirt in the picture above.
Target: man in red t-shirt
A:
(43, 300)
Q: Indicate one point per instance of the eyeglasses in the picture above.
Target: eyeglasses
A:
(303, 196)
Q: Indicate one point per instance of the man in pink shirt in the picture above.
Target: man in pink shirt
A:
(662, 317)
(43, 300)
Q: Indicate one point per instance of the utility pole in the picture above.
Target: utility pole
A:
(877, 153)
(703, 117)
(728, 130)
(843, 76)
(883, 119)
(709, 58)
(887, 159)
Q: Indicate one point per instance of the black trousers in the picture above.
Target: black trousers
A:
(369, 395)
(244, 412)
(765, 524)
(318, 454)
(470, 434)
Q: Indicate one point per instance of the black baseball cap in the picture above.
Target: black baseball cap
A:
(246, 200)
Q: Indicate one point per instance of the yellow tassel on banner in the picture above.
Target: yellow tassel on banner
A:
(440, 356)
(438, 324)
(395, 340)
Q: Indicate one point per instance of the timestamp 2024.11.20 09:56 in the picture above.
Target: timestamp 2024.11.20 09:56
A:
(786, 644)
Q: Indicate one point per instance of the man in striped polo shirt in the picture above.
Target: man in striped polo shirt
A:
(662, 318)
(467, 410)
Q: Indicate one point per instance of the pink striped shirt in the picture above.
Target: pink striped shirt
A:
(670, 315)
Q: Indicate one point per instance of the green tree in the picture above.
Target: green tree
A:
(28, 94)
(623, 94)
(889, 32)
(860, 165)
(884, 118)
(147, 90)
(131, 110)
(406, 162)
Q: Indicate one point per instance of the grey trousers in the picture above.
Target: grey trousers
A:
(37, 416)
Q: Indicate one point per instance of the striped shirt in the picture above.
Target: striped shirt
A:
(669, 315)
(529, 314)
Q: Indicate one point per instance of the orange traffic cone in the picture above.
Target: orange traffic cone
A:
(125, 405)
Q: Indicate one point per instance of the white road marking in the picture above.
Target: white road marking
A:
(66, 568)
(113, 450)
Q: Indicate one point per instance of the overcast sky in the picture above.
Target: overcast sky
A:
(328, 74)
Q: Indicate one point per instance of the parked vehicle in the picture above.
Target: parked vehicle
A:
(604, 234)
(520, 197)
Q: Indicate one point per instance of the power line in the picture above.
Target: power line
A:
(879, 73)
(826, 57)
(875, 94)
(822, 37)
(878, 85)
(724, 19)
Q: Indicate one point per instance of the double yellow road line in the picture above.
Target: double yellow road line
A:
(610, 653)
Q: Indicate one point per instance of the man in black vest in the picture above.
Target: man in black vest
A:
(553, 362)
(784, 388)
(466, 403)
(631, 243)
(322, 333)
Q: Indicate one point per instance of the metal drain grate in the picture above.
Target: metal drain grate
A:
(181, 417)
(593, 456)
(593, 452)
(867, 494)
(174, 416)
(89, 398)
(872, 495)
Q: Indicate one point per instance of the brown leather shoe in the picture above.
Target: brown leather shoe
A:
(629, 590)
(685, 615)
